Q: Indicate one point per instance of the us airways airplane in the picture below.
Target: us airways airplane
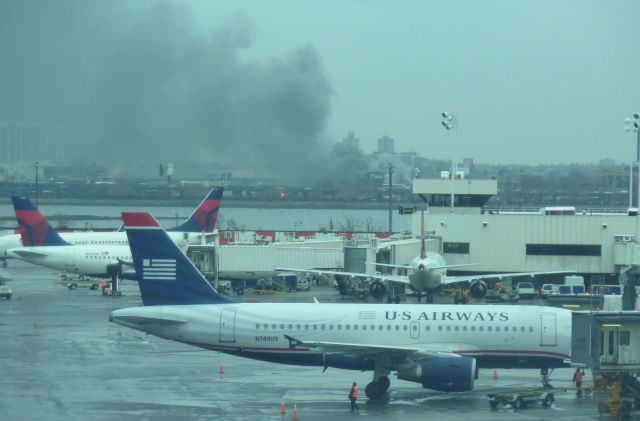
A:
(426, 273)
(441, 347)
(33, 227)
(99, 254)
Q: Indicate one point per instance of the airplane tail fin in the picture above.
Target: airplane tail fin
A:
(423, 246)
(205, 216)
(165, 275)
(34, 228)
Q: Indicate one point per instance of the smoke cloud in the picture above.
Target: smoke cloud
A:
(142, 83)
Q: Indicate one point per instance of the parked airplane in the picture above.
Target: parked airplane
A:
(99, 254)
(441, 347)
(425, 273)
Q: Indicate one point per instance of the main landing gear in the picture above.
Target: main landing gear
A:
(377, 388)
(545, 377)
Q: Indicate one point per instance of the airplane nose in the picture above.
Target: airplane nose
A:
(421, 268)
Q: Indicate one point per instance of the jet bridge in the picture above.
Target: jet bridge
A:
(608, 342)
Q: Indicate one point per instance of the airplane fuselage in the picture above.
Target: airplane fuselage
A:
(92, 259)
(427, 273)
(496, 336)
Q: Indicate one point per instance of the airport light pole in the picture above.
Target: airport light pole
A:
(632, 124)
(390, 186)
(450, 121)
(37, 167)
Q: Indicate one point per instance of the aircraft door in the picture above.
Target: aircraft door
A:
(228, 325)
(609, 345)
(414, 330)
(548, 334)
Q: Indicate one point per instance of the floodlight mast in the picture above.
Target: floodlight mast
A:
(450, 121)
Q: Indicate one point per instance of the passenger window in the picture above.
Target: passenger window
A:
(428, 328)
(258, 326)
(347, 327)
(456, 328)
(522, 329)
(464, 328)
(397, 327)
(380, 327)
(373, 327)
(530, 329)
(388, 327)
(322, 326)
(473, 328)
(364, 327)
(298, 326)
(339, 327)
(290, 326)
(330, 327)
(306, 327)
(273, 326)
(315, 327)
(266, 326)
(405, 328)
(355, 327)
(497, 328)
(448, 328)
(439, 328)
(282, 326)
(414, 327)
(515, 329)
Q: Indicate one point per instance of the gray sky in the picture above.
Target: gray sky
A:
(532, 81)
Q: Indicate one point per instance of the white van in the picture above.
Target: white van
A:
(547, 289)
(525, 290)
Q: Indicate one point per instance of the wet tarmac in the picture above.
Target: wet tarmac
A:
(60, 359)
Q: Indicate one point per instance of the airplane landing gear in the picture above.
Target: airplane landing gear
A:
(544, 376)
(377, 388)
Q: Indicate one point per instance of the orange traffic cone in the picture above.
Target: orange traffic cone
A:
(283, 408)
(495, 374)
(296, 415)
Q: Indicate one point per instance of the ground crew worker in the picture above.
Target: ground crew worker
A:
(577, 379)
(353, 397)
(104, 287)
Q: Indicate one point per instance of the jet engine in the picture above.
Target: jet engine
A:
(377, 288)
(478, 289)
(445, 374)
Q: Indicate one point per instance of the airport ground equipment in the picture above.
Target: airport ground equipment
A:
(5, 290)
(75, 282)
(608, 342)
(522, 398)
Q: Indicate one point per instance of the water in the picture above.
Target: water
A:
(232, 218)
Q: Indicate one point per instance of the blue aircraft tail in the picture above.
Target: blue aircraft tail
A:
(205, 216)
(165, 275)
(34, 228)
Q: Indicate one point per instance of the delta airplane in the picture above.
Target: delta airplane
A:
(31, 222)
(99, 254)
(441, 347)
(426, 273)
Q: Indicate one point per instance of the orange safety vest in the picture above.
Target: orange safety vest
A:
(104, 284)
(578, 376)
(354, 392)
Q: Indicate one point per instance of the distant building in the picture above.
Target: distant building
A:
(385, 145)
(351, 141)
(32, 142)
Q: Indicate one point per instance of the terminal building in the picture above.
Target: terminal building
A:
(599, 246)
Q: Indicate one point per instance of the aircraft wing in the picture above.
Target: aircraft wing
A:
(372, 351)
(468, 278)
(29, 253)
(382, 277)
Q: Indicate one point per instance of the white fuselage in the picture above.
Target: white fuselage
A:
(90, 255)
(496, 335)
(427, 274)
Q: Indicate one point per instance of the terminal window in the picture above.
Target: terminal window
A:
(564, 250)
(459, 248)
